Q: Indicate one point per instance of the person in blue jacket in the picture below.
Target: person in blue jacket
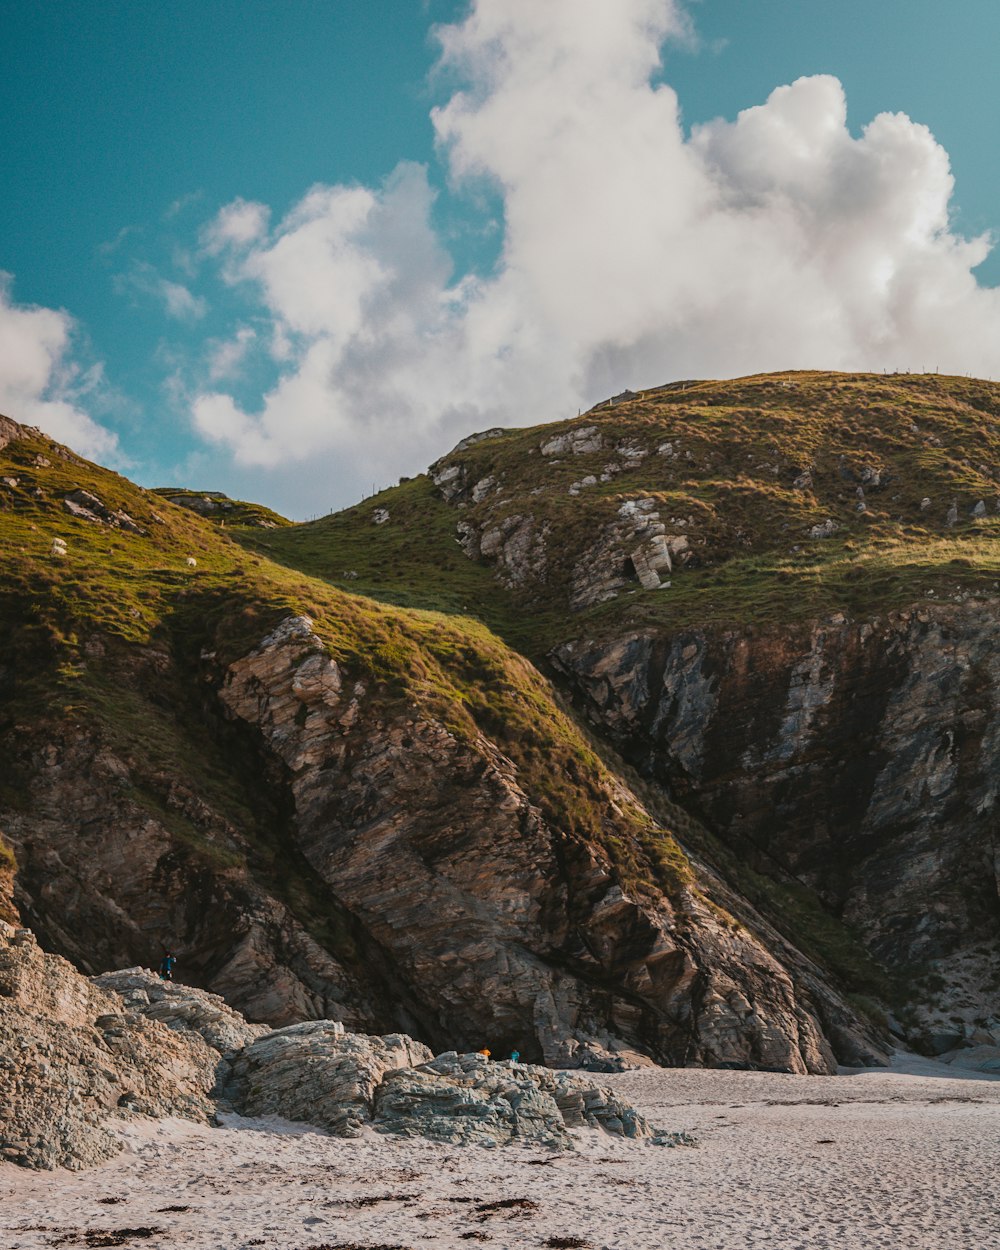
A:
(167, 967)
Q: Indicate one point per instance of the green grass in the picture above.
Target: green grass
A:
(413, 561)
(754, 563)
(859, 580)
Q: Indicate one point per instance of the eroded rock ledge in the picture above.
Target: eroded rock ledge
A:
(78, 1054)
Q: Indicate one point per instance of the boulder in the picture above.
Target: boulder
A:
(466, 1099)
(73, 1059)
(316, 1073)
(575, 442)
(87, 507)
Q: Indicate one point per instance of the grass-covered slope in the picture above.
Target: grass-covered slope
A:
(906, 467)
(78, 596)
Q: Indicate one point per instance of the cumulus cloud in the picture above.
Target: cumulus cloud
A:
(632, 253)
(38, 385)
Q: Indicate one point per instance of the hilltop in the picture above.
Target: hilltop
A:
(758, 499)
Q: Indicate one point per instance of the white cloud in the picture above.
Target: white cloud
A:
(237, 225)
(38, 385)
(631, 254)
(177, 300)
(226, 356)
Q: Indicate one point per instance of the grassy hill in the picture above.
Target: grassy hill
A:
(901, 473)
(904, 471)
(80, 594)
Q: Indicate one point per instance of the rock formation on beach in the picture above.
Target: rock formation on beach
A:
(73, 1058)
(666, 734)
(77, 1055)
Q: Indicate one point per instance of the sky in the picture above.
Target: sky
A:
(294, 249)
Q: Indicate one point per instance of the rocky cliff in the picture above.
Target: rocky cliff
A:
(331, 808)
(858, 758)
(710, 780)
(776, 599)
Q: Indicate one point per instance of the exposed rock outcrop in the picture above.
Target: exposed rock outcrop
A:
(209, 503)
(77, 1055)
(343, 1082)
(9, 431)
(87, 507)
(836, 755)
(317, 1073)
(502, 926)
(73, 1058)
(465, 1099)
(182, 1009)
(634, 547)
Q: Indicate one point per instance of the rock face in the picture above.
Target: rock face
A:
(635, 546)
(464, 915)
(839, 753)
(104, 879)
(502, 927)
(9, 431)
(73, 1058)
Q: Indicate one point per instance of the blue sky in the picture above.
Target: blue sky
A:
(389, 278)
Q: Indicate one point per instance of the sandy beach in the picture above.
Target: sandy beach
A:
(906, 1159)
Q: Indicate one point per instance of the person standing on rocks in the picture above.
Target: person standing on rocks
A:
(167, 967)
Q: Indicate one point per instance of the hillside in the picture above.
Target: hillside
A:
(776, 598)
(669, 729)
(333, 807)
(760, 499)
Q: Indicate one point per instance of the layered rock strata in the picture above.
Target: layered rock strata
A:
(77, 1056)
(514, 931)
(858, 758)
